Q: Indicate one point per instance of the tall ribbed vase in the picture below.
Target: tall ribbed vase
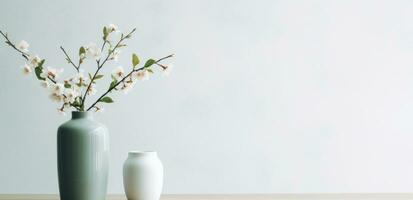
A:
(82, 158)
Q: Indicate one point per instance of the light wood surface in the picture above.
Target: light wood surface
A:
(398, 196)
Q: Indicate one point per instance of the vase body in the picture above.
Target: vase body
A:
(143, 176)
(83, 158)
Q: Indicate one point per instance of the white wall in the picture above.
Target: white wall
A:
(267, 96)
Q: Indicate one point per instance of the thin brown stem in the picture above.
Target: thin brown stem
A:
(123, 79)
(24, 54)
(53, 81)
(100, 65)
(161, 59)
(103, 45)
(70, 60)
(117, 45)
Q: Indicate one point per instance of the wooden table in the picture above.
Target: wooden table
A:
(373, 196)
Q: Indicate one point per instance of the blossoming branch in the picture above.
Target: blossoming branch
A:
(73, 91)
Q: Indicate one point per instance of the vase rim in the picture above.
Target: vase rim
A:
(81, 114)
(142, 153)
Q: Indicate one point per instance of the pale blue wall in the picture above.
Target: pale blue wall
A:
(266, 96)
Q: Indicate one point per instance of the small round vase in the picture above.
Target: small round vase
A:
(83, 158)
(143, 176)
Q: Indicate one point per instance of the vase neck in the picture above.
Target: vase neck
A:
(82, 115)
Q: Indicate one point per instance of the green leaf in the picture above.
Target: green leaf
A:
(77, 102)
(82, 50)
(67, 85)
(90, 76)
(149, 63)
(135, 60)
(98, 76)
(105, 33)
(39, 69)
(112, 84)
(106, 100)
(150, 70)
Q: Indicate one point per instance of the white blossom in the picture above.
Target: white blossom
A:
(118, 73)
(99, 109)
(55, 97)
(70, 95)
(26, 69)
(167, 70)
(92, 51)
(44, 84)
(57, 89)
(79, 78)
(50, 72)
(142, 75)
(112, 28)
(114, 55)
(127, 85)
(34, 60)
(92, 90)
(61, 111)
(23, 46)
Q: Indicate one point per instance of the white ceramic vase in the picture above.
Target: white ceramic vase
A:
(143, 176)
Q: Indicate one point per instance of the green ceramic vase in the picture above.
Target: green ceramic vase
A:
(82, 158)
